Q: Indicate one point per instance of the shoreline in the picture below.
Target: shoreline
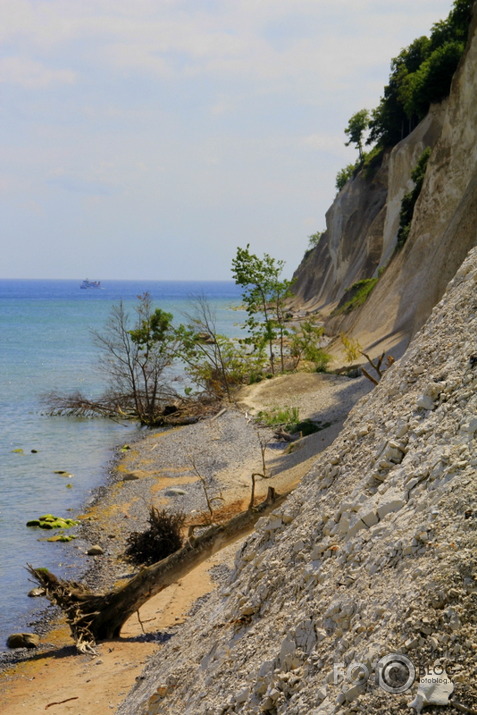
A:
(47, 618)
(225, 450)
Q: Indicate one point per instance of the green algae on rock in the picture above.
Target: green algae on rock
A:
(61, 537)
(49, 521)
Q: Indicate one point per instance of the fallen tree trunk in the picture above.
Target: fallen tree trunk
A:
(94, 617)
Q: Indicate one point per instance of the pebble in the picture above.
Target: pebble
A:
(95, 550)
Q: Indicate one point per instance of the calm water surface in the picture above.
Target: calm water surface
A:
(45, 344)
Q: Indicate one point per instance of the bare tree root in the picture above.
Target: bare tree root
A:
(377, 366)
(94, 617)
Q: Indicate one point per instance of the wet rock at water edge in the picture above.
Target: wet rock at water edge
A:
(36, 592)
(23, 640)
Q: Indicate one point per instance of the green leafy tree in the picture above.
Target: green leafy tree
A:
(264, 295)
(305, 345)
(134, 357)
(420, 74)
(214, 362)
(455, 26)
(357, 125)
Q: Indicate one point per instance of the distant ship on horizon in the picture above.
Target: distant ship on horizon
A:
(90, 284)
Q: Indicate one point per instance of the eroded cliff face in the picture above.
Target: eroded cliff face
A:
(351, 248)
(363, 222)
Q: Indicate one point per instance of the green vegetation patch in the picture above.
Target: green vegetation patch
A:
(356, 295)
(49, 521)
(420, 75)
(288, 418)
(279, 416)
(409, 200)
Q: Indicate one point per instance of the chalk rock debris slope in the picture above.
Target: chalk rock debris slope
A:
(375, 553)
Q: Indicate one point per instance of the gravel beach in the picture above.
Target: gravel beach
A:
(176, 468)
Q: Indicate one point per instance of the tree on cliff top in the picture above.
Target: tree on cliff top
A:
(420, 75)
(357, 125)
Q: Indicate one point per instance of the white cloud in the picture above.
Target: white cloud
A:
(31, 74)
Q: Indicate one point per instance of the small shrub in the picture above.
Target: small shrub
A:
(288, 418)
(344, 175)
(356, 295)
(321, 359)
(351, 346)
(159, 541)
(314, 239)
(305, 346)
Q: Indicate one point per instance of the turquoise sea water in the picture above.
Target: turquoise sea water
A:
(45, 344)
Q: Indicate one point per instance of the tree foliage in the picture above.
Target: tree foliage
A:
(357, 125)
(133, 357)
(314, 239)
(420, 75)
(344, 175)
(305, 345)
(264, 295)
(214, 362)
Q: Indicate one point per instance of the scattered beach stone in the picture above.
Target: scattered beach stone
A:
(36, 592)
(175, 492)
(23, 640)
(130, 477)
(95, 550)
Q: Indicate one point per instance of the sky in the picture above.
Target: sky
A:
(151, 138)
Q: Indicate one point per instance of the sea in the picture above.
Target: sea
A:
(46, 345)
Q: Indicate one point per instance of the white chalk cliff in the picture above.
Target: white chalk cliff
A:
(363, 222)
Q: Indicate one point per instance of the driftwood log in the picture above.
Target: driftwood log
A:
(97, 617)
